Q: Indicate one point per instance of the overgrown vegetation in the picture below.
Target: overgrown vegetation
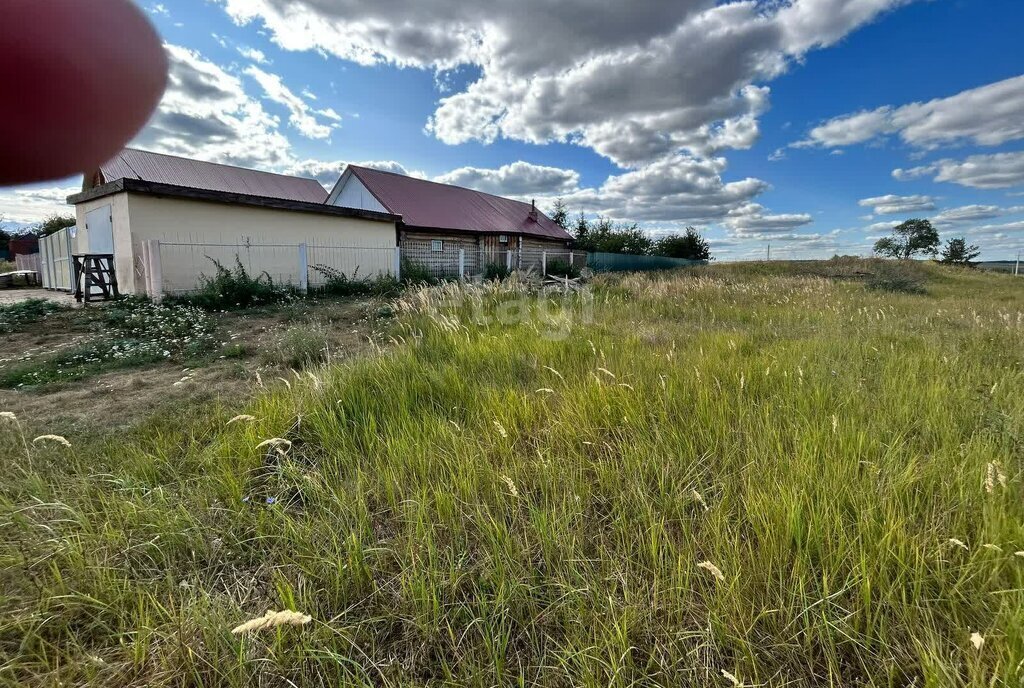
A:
(128, 333)
(496, 271)
(232, 288)
(16, 316)
(337, 283)
(299, 346)
(562, 268)
(760, 474)
(603, 235)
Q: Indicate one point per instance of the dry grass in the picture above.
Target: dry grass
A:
(726, 478)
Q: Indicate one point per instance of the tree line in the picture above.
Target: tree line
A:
(918, 237)
(603, 235)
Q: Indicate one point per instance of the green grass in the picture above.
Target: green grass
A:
(508, 500)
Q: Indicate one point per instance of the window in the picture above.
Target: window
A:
(436, 245)
(503, 238)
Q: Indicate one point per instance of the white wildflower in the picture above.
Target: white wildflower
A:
(977, 639)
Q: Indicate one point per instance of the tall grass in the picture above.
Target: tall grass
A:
(783, 479)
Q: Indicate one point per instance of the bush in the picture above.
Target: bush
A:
(496, 271)
(337, 283)
(561, 268)
(417, 273)
(896, 277)
(229, 289)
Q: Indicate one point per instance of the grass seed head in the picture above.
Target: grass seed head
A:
(52, 438)
(713, 570)
(7, 415)
(958, 543)
(272, 619)
(241, 417)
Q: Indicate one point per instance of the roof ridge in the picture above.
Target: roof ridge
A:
(208, 162)
(453, 186)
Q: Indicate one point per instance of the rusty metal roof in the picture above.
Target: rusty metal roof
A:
(132, 163)
(427, 204)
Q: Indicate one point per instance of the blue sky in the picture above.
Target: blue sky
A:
(815, 125)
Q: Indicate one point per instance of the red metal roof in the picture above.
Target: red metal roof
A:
(131, 163)
(427, 204)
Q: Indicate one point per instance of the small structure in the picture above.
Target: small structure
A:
(440, 222)
(166, 220)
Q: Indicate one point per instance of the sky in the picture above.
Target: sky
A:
(814, 126)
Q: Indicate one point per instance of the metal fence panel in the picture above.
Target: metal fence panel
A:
(622, 262)
(55, 260)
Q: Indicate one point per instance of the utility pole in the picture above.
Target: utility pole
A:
(769, 250)
(1016, 268)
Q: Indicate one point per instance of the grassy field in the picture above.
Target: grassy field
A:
(782, 475)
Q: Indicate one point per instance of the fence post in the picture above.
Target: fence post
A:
(508, 260)
(303, 269)
(462, 264)
(544, 264)
(571, 256)
(156, 281)
(398, 263)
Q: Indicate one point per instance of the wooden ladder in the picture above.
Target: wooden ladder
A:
(94, 271)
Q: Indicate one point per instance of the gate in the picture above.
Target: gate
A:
(55, 260)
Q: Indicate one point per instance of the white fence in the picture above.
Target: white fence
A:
(55, 266)
(178, 268)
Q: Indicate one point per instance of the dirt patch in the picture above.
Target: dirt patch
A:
(255, 344)
(9, 296)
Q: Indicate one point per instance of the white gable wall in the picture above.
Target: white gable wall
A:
(352, 194)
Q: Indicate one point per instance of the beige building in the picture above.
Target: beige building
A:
(167, 220)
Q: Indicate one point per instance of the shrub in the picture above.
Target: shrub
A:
(895, 277)
(337, 283)
(561, 268)
(496, 271)
(417, 273)
(236, 288)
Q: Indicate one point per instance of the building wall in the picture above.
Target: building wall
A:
(195, 233)
(417, 248)
(353, 194)
(534, 248)
(124, 257)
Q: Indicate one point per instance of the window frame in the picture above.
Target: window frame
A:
(503, 238)
(437, 245)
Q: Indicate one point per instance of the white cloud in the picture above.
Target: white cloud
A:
(892, 204)
(986, 116)
(327, 172)
(634, 81)
(206, 113)
(159, 9)
(257, 56)
(330, 114)
(973, 213)
(27, 206)
(301, 117)
(752, 221)
(518, 179)
(995, 171)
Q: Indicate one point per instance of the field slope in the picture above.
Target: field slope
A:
(757, 475)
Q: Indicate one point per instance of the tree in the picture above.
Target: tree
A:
(560, 214)
(581, 232)
(958, 252)
(908, 239)
(53, 223)
(690, 245)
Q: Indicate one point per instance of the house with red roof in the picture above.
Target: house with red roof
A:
(442, 224)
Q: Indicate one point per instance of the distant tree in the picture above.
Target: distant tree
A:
(958, 252)
(560, 214)
(581, 232)
(53, 223)
(909, 239)
(690, 245)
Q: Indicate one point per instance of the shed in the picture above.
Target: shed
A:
(170, 218)
(441, 221)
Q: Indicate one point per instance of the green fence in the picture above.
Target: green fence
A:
(624, 262)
